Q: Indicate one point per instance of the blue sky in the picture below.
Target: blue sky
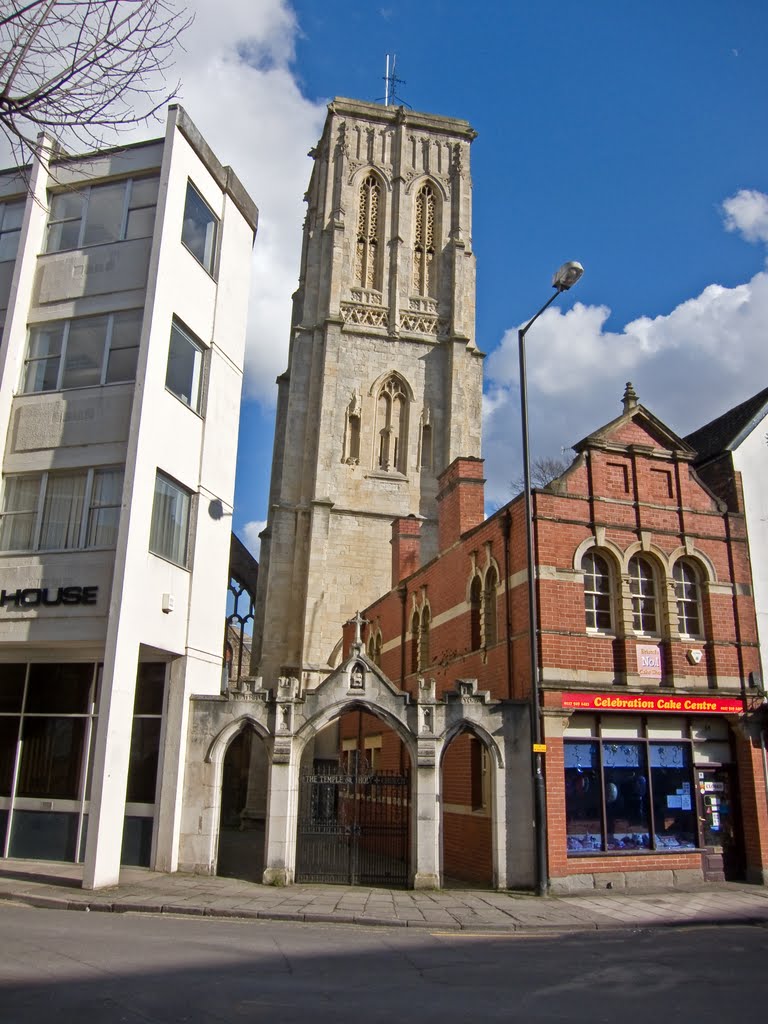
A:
(608, 133)
(629, 137)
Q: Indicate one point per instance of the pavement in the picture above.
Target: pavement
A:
(59, 886)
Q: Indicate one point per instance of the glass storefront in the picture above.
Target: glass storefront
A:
(48, 719)
(630, 783)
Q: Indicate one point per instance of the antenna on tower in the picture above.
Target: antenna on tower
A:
(391, 81)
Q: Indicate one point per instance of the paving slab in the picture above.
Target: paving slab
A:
(56, 886)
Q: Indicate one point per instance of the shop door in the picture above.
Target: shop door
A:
(723, 858)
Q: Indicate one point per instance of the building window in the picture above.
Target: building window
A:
(11, 216)
(687, 595)
(184, 374)
(642, 587)
(368, 256)
(597, 592)
(424, 656)
(489, 606)
(475, 614)
(61, 511)
(96, 214)
(200, 230)
(84, 352)
(170, 521)
(630, 796)
(392, 424)
(424, 265)
(415, 642)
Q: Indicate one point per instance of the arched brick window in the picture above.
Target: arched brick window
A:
(688, 596)
(490, 628)
(415, 626)
(475, 612)
(424, 659)
(598, 587)
(642, 587)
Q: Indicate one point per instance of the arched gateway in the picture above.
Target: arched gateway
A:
(343, 804)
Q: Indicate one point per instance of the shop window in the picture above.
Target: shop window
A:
(597, 592)
(11, 216)
(628, 796)
(475, 612)
(184, 373)
(200, 229)
(642, 587)
(61, 511)
(687, 596)
(170, 520)
(84, 352)
(95, 214)
(489, 606)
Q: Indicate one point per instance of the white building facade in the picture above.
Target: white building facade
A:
(124, 279)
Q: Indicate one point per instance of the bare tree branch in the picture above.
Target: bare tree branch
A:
(544, 469)
(78, 69)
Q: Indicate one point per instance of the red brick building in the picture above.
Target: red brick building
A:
(655, 764)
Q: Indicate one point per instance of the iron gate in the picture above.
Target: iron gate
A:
(353, 825)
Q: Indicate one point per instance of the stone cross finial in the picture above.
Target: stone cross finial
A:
(630, 398)
(359, 622)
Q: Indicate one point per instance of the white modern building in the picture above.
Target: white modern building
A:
(124, 281)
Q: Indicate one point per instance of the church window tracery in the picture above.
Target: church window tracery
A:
(424, 265)
(368, 257)
(392, 424)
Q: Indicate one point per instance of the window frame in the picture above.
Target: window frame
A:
(683, 565)
(85, 192)
(638, 598)
(167, 554)
(4, 231)
(39, 509)
(65, 329)
(179, 330)
(210, 262)
(594, 593)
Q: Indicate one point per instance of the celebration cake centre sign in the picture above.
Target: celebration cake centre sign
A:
(685, 703)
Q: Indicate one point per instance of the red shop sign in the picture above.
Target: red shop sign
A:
(688, 703)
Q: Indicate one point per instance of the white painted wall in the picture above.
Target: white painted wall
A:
(751, 460)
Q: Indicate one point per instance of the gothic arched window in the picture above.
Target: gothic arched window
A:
(475, 606)
(424, 640)
(392, 424)
(489, 606)
(424, 265)
(415, 642)
(368, 256)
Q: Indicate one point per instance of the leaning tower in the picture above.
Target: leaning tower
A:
(384, 380)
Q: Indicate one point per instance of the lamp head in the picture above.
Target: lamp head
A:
(567, 276)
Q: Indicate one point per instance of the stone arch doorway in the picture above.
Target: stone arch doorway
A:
(467, 783)
(243, 808)
(354, 809)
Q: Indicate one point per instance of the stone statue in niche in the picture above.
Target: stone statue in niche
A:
(357, 677)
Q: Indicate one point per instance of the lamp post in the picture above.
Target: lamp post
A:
(565, 278)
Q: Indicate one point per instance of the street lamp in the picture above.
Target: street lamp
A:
(565, 278)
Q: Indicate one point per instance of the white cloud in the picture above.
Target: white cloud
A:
(747, 213)
(250, 535)
(688, 366)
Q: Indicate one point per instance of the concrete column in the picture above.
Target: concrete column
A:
(282, 815)
(173, 748)
(426, 833)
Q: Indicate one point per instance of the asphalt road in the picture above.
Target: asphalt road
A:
(78, 968)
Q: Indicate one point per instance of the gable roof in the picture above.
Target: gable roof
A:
(659, 433)
(728, 431)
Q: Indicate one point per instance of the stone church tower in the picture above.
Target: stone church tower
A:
(384, 380)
